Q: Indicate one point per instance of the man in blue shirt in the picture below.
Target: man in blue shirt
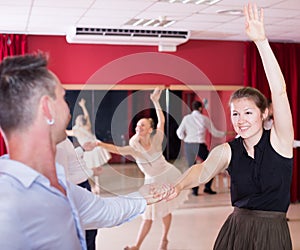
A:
(39, 208)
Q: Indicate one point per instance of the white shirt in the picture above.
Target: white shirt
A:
(193, 128)
(35, 215)
(72, 160)
(296, 144)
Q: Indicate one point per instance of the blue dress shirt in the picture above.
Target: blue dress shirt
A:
(35, 215)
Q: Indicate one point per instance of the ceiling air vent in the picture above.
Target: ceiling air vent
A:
(166, 40)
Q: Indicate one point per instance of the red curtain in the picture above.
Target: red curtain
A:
(288, 56)
(10, 45)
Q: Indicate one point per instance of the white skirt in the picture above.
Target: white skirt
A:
(97, 157)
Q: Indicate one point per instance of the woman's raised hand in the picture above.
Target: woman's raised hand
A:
(156, 94)
(81, 103)
(254, 23)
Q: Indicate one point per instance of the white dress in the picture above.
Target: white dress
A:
(157, 170)
(96, 157)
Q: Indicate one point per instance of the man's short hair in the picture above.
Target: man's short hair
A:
(196, 105)
(23, 81)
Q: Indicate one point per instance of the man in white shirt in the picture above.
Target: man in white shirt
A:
(78, 173)
(192, 131)
(72, 160)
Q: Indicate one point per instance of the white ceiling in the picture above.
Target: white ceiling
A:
(56, 17)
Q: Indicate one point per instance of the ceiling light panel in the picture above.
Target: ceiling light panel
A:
(159, 22)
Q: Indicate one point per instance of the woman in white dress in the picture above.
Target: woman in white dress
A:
(82, 130)
(146, 148)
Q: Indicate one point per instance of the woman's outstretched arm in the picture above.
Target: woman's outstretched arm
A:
(217, 161)
(120, 150)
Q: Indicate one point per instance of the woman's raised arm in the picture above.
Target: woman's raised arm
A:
(155, 96)
(282, 136)
(86, 115)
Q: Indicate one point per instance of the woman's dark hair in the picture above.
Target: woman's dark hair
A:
(253, 94)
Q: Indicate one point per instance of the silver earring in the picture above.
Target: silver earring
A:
(50, 122)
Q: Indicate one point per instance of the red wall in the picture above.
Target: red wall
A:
(195, 62)
(220, 61)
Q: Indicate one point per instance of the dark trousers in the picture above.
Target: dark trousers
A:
(192, 150)
(90, 235)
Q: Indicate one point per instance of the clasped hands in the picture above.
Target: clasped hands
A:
(89, 146)
(155, 192)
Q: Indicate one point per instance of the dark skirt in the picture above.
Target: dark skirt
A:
(247, 229)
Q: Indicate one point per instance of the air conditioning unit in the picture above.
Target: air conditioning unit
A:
(166, 40)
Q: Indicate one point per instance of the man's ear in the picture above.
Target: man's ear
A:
(46, 107)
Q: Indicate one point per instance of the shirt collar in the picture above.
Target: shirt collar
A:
(25, 174)
(261, 143)
(195, 112)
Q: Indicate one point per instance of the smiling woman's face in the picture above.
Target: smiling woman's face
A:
(246, 117)
(143, 127)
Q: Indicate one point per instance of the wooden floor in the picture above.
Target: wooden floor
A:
(195, 224)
